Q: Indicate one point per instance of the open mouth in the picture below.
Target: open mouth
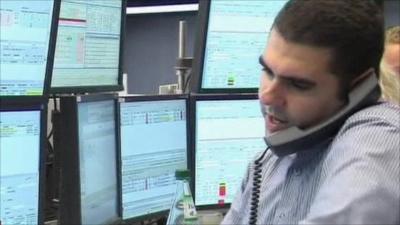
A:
(276, 120)
(275, 123)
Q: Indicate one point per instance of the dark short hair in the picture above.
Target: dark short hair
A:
(352, 29)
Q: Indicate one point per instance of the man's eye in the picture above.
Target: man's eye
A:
(300, 85)
(268, 73)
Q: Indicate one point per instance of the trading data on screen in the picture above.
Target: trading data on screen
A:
(236, 36)
(88, 43)
(98, 162)
(153, 146)
(19, 167)
(24, 45)
(228, 135)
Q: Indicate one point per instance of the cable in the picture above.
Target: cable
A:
(50, 148)
(255, 192)
(188, 76)
(55, 103)
(50, 134)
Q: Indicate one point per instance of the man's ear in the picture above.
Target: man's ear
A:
(363, 76)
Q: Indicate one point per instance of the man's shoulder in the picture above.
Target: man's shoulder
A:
(359, 166)
(370, 135)
(382, 113)
(374, 127)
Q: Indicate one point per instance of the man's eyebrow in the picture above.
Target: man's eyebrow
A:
(301, 81)
(286, 77)
(264, 65)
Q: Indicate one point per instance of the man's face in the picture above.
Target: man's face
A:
(391, 57)
(297, 88)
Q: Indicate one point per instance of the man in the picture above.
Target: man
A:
(318, 55)
(390, 66)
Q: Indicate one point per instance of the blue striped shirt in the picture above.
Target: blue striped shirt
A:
(352, 178)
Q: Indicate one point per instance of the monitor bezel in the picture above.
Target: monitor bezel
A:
(149, 3)
(149, 98)
(33, 104)
(198, 62)
(70, 199)
(206, 97)
(50, 55)
(85, 89)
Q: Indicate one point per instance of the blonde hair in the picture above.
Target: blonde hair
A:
(390, 84)
(392, 35)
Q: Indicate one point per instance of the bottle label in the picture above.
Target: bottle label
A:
(189, 209)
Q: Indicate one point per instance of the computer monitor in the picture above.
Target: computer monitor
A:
(27, 42)
(232, 35)
(89, 160)
(22, 136)
(154, 144)
(88, 55)
(228, 133)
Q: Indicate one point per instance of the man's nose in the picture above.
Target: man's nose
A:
(272, 94)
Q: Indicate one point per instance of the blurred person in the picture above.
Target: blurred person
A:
(390, 66)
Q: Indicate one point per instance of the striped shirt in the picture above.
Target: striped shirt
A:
(352, 178)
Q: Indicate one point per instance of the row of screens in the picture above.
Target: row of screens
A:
(120, 158)
(77, 41)
(85, 39)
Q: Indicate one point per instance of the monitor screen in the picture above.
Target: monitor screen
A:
(25, 46)
(235, 34)
(153, 146)
(19, 167)
(88, 48)
(88, 151)
(228, 134)
(97, 165)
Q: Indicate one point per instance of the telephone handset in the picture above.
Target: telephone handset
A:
(363, 94)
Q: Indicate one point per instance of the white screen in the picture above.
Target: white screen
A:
(153, 146)
(88, 43)
(98, 162)
(236, 36)
(228, 135)
(24, 45)
(19, 167)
